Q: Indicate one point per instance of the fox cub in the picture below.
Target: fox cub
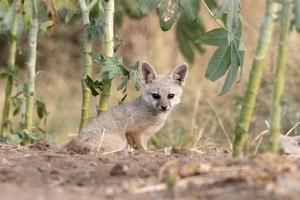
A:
(133, 123)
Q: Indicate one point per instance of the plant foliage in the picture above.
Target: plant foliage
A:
(297, 14)
(181, 13)
(111, 67)
(229, 56)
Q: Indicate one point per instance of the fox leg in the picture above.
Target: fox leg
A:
(136, 141)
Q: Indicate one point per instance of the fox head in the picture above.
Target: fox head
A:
(163, 92)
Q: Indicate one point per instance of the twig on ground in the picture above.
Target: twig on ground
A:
(295, 126)
(101, 140)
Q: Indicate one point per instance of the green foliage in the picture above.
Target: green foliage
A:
(19, 99)
(134, 73)
(96, 11)
(187, 32)
(227, 58)
(117, 43)
(297, 14)
(94, 85)
(168, 10)
(230, 9)
(189, 26)
(41, 109)
(23, 137)
(110, 68)
(8, 73)
(190, 8)
(95, 29)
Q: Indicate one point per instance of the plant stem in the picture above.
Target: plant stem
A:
(248, 104)
(11, 68)
(280, 75)
(212, 14)
(88, 63)
(109, 51)
(31, 67)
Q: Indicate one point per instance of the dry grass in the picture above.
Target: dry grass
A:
(59, 84)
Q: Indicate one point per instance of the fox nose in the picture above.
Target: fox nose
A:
(163, 107)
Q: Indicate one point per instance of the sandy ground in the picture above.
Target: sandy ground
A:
(43, 172)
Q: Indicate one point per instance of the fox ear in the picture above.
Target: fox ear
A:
(180, 73)
(148, 73)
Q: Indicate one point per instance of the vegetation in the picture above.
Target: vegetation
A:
(286, 14)
(243, 123)
(100, 21)
(32, 44)
(88, 63)
(11, 68)
(244, 120)
(109, 9)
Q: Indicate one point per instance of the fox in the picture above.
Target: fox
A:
(131, 124)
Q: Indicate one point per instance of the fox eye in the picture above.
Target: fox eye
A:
(155, 96)
(171, 96)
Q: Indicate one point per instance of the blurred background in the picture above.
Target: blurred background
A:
(202, 119)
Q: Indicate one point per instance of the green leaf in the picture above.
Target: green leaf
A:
(168, 10)
(123, 84)
(95, 29)
(14, 139)
(297, 14)
(212, 5)
(185, 47)
(17, 103)
(147, 6)
(41, 109)
(232, 72)
(97, 11)
(187, 32)
(134, 73)
(218, 64)
(123, 99)
(118, 42)
(8, 72)
(109, 66)
(215, 37)
(190, 8)
(230, 8)
(227, 58)
(95, 86)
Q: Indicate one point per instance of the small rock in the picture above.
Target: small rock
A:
(119, 170)
(290, 145)
(40, 144)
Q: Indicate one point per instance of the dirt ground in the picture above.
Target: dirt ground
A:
(43, 172)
